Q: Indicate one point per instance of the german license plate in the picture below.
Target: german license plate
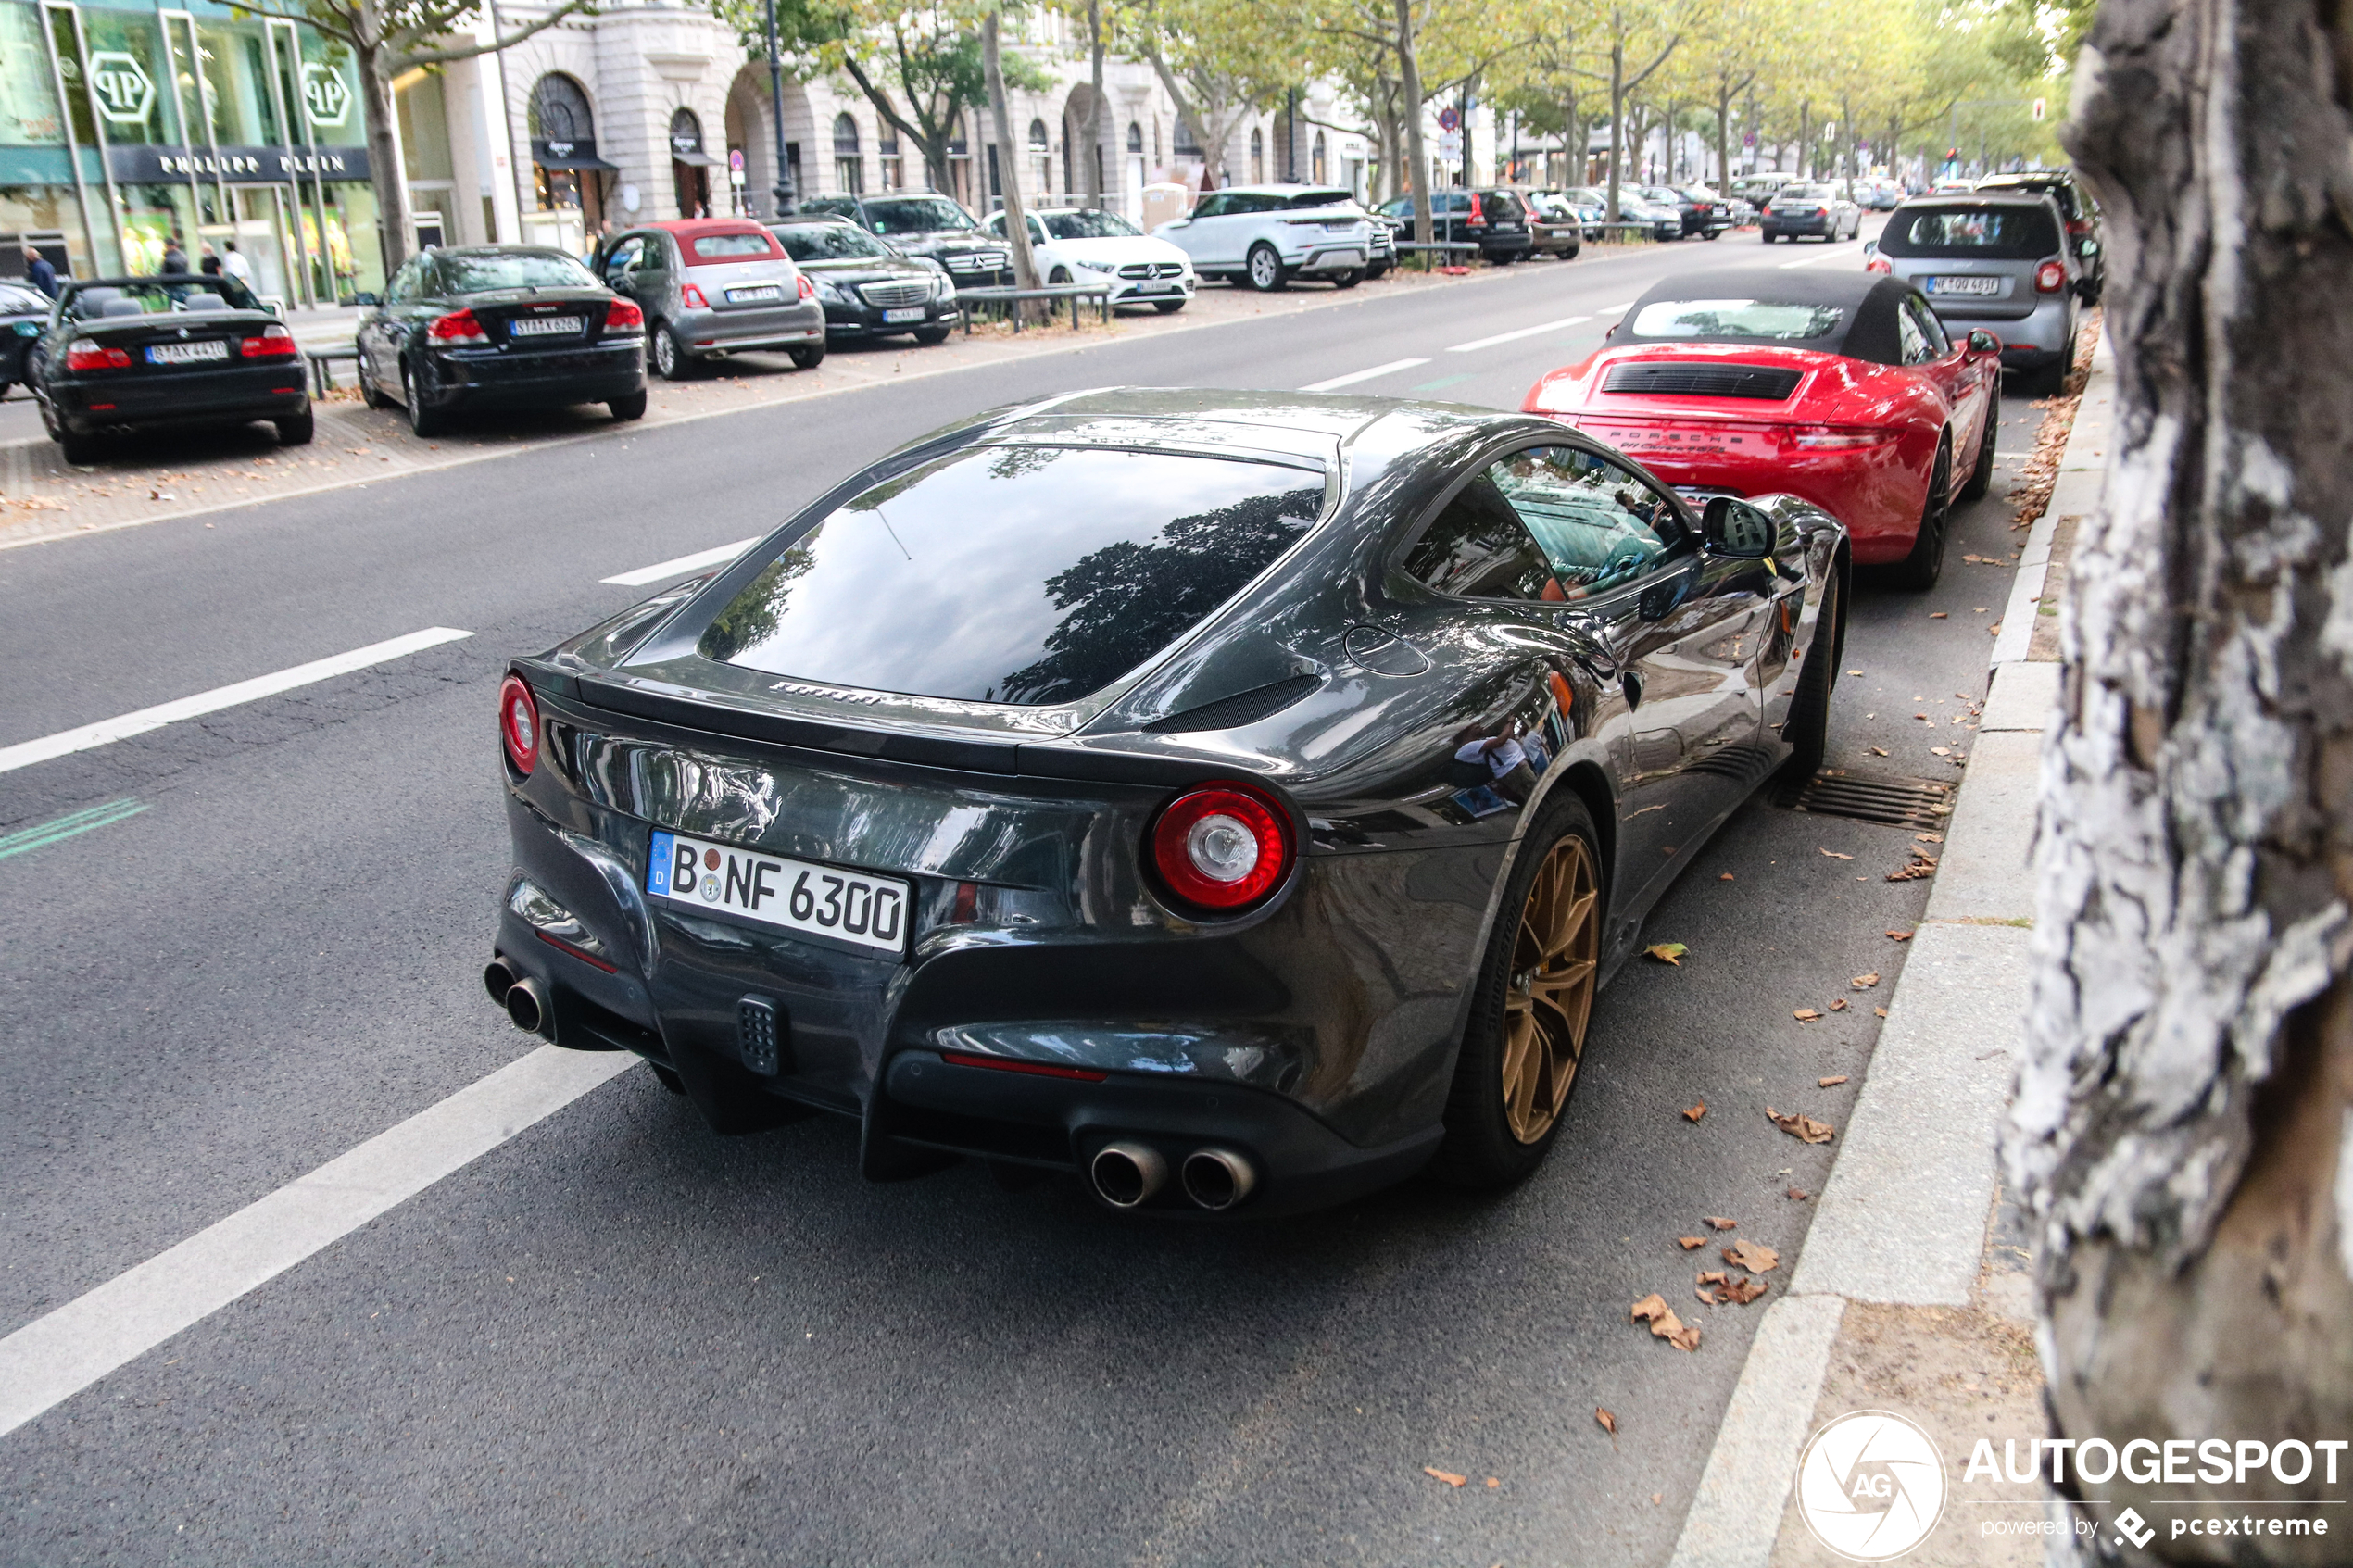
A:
(1965, 285)
(756, 294)
(543, 326)
(187, 353)
(870, 911)
(910, 313)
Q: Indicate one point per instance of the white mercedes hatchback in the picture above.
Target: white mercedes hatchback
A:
(1086, 246)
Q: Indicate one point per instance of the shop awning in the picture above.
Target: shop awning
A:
(694, 160)
(576, 161)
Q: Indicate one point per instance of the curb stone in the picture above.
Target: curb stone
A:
(1911, 1220)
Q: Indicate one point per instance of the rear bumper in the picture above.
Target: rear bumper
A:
(1773, 225)
(731, 332)
(851, 321)
(492, 378)
(227, 396)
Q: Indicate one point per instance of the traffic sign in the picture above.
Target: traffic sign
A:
(1449, 118)
(1449, 146)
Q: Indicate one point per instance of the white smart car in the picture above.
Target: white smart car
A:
(1086, 246)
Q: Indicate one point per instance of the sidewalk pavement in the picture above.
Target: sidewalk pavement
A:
(1912, 1294)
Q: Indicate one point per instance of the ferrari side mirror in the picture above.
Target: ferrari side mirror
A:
(1734, 527)
(1983, 342)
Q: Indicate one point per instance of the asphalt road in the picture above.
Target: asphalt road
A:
(617, 1337)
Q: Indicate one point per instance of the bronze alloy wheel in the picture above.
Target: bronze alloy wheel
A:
(1549, 997)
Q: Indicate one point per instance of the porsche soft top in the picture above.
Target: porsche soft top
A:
(1853, 314)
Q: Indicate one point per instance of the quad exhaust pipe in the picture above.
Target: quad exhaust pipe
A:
(1128, 1173)
(525, 1002)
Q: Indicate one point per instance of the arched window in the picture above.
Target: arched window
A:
(1135, 139)
(1315, 160)
(559, 110)
(563, 140)
(1040, 160)
(1257, 155)
(894, 170)
(850, 168)
(1187, 145)
(690, 166)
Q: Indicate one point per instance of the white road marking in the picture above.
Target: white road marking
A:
(1828, 253)
(1353, 377)
(52, 1359)
(1616, 309)
(682, 566)
(1514, 337)
(107, 730)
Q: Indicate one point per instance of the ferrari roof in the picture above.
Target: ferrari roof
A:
(1866, 330)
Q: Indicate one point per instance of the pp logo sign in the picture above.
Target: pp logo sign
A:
(121, 88)
(1870, 1486)
(325, 95)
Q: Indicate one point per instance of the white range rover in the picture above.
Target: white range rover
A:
(1269, 234)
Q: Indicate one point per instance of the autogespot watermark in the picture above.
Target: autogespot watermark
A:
(1871, 1485)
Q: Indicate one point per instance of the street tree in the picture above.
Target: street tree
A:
(2184, 1122)
(1629, 32)
(1222, 62)
(387, 38)
(1008, 155)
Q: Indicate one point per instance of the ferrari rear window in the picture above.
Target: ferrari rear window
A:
(1024, 574)
(1990, 234)
(1755, 321)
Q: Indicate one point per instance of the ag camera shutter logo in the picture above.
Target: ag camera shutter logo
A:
(325, 94)
(1870, 1486)
(121, 88)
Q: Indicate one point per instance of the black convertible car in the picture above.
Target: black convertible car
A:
(1234, 797)
(123, 355)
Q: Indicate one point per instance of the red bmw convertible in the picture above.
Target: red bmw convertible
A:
(1841, 388)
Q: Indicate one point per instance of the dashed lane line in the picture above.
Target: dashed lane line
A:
(1514, 337)
(683, 565)
(1355, 376)
(107, 730)
(53, 1358)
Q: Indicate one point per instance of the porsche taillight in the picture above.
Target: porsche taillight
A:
(518, 724)
(2049, 278)
(1834, 438)
(1221, 848)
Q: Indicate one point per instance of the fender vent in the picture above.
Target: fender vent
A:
(1871, 797)
(1680, 379)
(1242, 707)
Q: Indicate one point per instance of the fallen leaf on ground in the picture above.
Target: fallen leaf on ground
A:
(1690, 1242)
(1694, 1112)
(1854, 672)
(1725, 877)
(1834, 854)
(1668, 952)
(1805, 1015)
(1799, 1126)
(1665, 1324)
(1446, 1476)
(1739, 1292)
(1915, 869)
(1830, 1083)
(1798, 1194)
(1838, 1004)
(1864, 982)
(1936, 615)
(1654, 1497)
(1703, 1296)
(1940, 751)
(1900, 935)
(1711, 1276)
(1719, 1223)
(1753, 1256)
(1494, 1482)
(1609, 1421)
(1880, 1012)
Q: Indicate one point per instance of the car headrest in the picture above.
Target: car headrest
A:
(121, 307)
(204, 302)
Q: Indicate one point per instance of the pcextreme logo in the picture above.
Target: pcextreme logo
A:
(1870, 1486)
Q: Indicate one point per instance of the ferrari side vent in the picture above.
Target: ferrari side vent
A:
(1871, 797)
(1677, 377)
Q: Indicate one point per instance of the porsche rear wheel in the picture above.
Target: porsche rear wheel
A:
(1532, 1008)
(1980, 476)
(1919, 570)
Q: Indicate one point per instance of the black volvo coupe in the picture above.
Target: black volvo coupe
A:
(123, 355)
(500, 327)
(1233, 798)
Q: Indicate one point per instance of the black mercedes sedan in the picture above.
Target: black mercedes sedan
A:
(500, 327)
(868, 289)
(126, 354)
(1233, 799)
(926, 224)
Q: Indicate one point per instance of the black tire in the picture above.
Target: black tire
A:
(1919, 572)
(1480, 1150)
(630, 408)
(1713, 234)
(78, 451)
(369, 393)
(808, 356)
(1766, 236)
(1348, 280)
(1168, 306)
(422, 421)
(1266, 271)
(669, 361)
(1807, 729)
(296, 431)
(1981, 473)
(930, 335)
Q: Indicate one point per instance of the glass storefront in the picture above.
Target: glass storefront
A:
(127, 127)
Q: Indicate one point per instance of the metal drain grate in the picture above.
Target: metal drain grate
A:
(1871, 797)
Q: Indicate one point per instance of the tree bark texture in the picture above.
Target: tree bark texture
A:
(1008, 153)
(2183, 1116)
(1409, 76)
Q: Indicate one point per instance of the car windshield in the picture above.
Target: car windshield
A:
(916, 214)
(1089, 563)
(194, 292)
(484, 271)
(1757, 320)
(1089, 226)
(828, 242)
(1990, 233)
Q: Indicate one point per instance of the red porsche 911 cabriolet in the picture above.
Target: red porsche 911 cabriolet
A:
(1840, 388)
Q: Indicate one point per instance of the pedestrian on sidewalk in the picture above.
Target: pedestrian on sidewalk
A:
(211, 264)
(234, 265)
(39, 273)
(175, 256)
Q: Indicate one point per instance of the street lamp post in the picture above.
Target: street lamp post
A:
(785, 193)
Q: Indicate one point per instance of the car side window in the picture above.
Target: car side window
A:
(1476, 548)
(623, 259)
(1915, 342)
(404, 283)
(1601, 525)
(1211, 206)
(1939, 344)
(651, 259)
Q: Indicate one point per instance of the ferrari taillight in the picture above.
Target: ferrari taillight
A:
(518, 724)
(2049, 278)
(1221, 846)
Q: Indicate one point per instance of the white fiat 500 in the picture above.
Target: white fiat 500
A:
(1086, 246)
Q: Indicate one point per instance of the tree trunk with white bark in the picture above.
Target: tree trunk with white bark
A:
(2185, 1113)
